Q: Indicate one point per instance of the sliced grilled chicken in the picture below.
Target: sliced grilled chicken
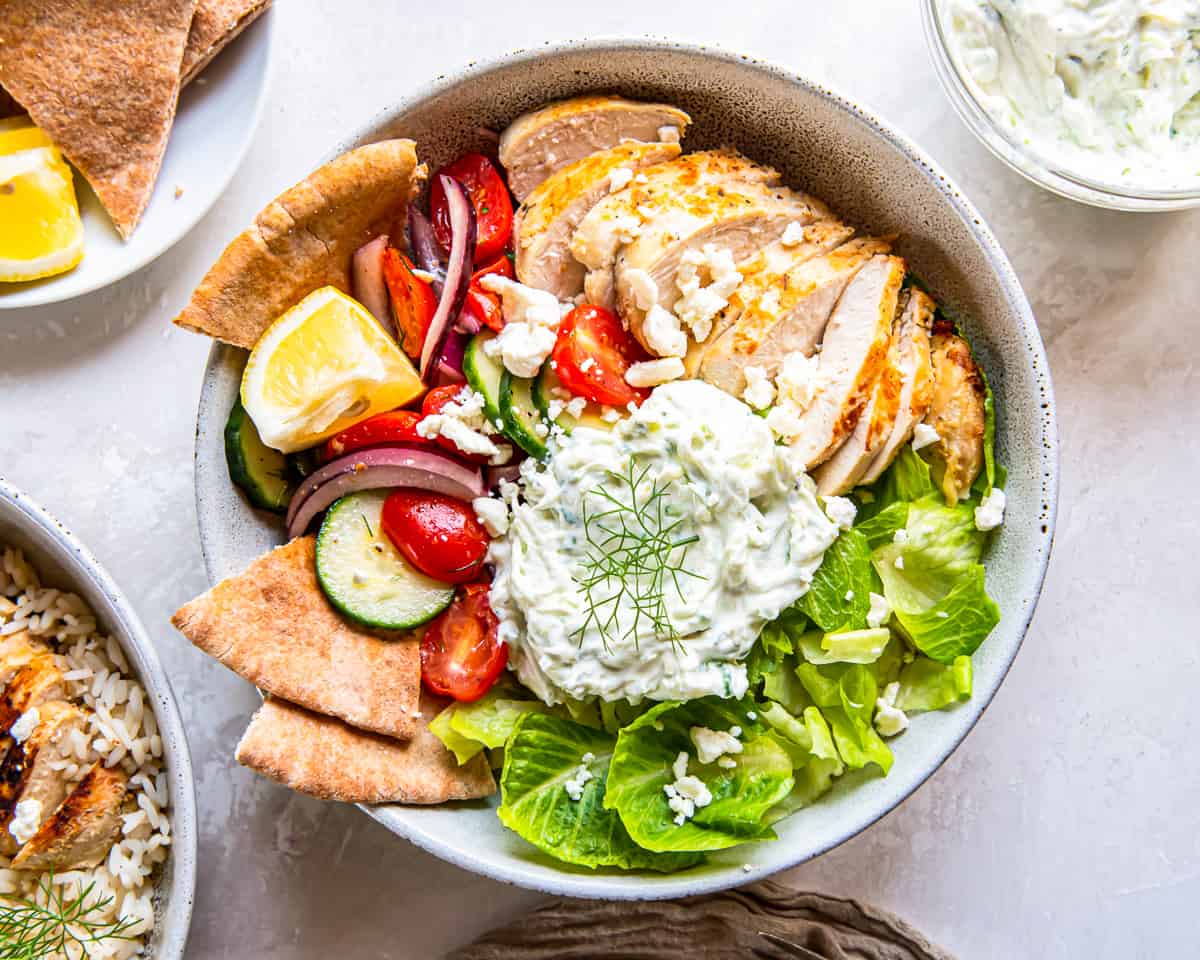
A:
(916, 380)
(620, 218)
(27, 772)
(82, 828)
(16, 650)
(38, 681)
(956, 412)
(539, 143)
(844, 469)
(853, 350)
(546, 221)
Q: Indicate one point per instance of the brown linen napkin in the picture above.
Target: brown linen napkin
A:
(725, 926)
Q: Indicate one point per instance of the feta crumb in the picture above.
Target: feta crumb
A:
(841, 510)
(735, 731)
(706, 279)
(849, 595)
(650, 373)
(463, 423)
(24, 726)
(679, 767)
(619, 179)
(879, 611)
(799, 379)
(663, 334)
(27, 817)
(923, 436)
(576, 407)
(685, 796)
(751, 715)
(746, 868)
(899, 564)
(793, 235)
(900, 536)
(889, 719)
(711, 744)
(943, 615)
(643, 288)
(990, 512)
(609, 414)
(579, 779)
(587, 364)
(531, 324)
(668, 133)
(727, 763)
(760, 392)
(493, 514)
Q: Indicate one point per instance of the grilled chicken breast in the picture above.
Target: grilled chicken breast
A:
(956, 412)
(16, 650)
(539, 143)
(546, 221)
(82, 828)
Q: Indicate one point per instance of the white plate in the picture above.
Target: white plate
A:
(217, 116)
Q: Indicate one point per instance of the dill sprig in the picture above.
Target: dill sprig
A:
(634, 553)
(30, 930)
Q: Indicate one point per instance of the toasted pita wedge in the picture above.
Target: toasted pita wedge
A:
(273, 625)
(101, 78)
(325, 758)
(215, 24)
(304, 239)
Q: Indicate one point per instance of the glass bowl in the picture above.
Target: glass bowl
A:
(1035, 167)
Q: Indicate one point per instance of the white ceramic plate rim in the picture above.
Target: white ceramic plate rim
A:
(626, 887)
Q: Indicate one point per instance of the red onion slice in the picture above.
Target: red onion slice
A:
(424, 247)
(370, 469)
(493, 475)
(367, 283)
(458, 269)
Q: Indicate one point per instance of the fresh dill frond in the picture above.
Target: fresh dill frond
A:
(634, 553)
(367, 524)
(30, 930)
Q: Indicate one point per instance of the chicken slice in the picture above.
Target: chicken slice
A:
(541, 142)
(82, 828)
(853, 351)
(546, 221)
(956, 412)
(27, 774)
(844, 469)
(16, 650)
(783, 313)
(37, 682)
(916, 380)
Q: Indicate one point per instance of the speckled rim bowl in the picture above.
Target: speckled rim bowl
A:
(872, 175)
(63, 562)
(1038, 169)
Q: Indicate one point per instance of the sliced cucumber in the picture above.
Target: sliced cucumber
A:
(365, 577)
(261, 472)
(523, 421)
(544, 387)
(484, 375)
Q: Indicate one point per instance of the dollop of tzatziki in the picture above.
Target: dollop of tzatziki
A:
(1106, 89)
(643, 561)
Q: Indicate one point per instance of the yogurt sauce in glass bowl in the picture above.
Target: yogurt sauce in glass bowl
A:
(1108, 90)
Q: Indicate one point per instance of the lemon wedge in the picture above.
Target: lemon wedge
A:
(40, 230)
(18, 133)
(321, 367)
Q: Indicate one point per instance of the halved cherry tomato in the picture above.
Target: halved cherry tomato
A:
(413, 301)
(395, 426)
(592, 353)
(437, 534)
(482, 305)
(434, 402)
(461, 652)
(490, 198)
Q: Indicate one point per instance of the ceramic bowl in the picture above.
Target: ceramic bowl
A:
(875, 177)
(63, 562)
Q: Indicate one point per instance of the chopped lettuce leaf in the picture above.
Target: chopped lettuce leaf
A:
(906, 480)
(809, 741)
(619, 713)
(820, 682)
(463, 748)
(846, 646)
(466, 728)
(839, 597)
(544, 755)
(856, 739)
(774, 645)
(784, 686)
(642, 766)
(882, 527)
(928, 685)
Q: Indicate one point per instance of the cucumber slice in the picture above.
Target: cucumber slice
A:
(261, 472)
(484, 375)
(523, 421)
(365, 577)
(544, 388)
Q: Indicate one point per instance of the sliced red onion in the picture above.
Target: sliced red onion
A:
(367, 283)
(371, 469)
(458, 269)
(424, 247)
(453, 352)
(467, 323)
(493, 475)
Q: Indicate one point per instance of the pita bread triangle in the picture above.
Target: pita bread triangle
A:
(101, 77)
(215, 24)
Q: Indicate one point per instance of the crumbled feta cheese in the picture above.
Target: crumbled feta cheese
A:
(726, 763)
(626, 227)
(424, 275)
(751, 715)
(650, 373)
(609, 414)
(531, 324)
(493, 514)
(990, 512)
(463, 423)
(879, 611)
(943, 615)
(663, 334)
(899, 564)
(760, 392)
(711, 744)
(679, 767)
(24, 726)
(668, 133)
(900, 536)
(849, 595)
(735, 731)
(522, 348)
(619, 179)
(27, 817)
(746, 868)
(706, 279)
(587, 364)
(579, 779)
(542, 429)
(643, 288)
(793, 235)
(576, 407)
(889, 719)
(841, 510)
(923, 436)
(798, 380)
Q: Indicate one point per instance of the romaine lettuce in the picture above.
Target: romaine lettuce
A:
(466, 728)
(855, 737)
(839, 596)
(928, 685)
(815, 758)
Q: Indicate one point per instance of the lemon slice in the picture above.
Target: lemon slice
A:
(40, 230)
(18, 133)
(324, 365)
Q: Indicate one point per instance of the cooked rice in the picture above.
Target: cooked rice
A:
(122, 732)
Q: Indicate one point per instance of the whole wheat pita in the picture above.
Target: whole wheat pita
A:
(272, 625)
(323, 757)
(304, 239)
(101, 78)
(214, 25)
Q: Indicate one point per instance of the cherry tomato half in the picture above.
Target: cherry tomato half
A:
(435, 401)
(592, 353)
(413, 301)
(482, 305)
(437, 534)
(395, 426)
(461, 652)
(490, 198)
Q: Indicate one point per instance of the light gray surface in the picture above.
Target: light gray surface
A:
(1065, 827)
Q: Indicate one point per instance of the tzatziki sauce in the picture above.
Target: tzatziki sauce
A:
(1107, 90)
(643, 561)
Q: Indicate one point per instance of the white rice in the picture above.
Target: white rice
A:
(122, 732)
